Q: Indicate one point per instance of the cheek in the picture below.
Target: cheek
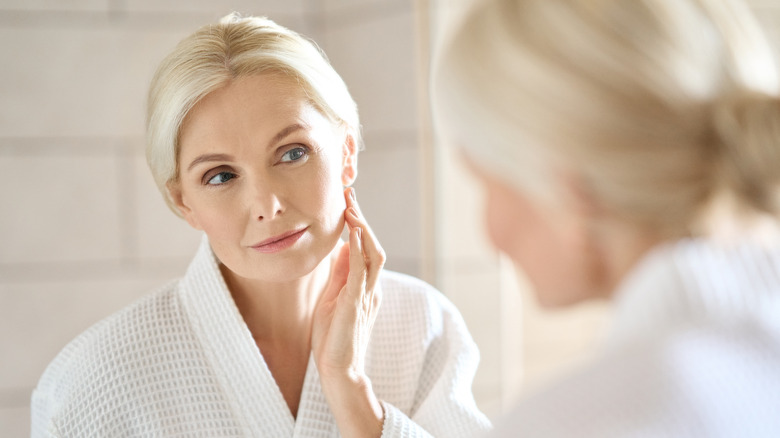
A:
(219, 218)
(526, 234)
(326, 198)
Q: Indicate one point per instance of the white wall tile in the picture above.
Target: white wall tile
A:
(55, 5)
(556, 340)
(15, 422)
(59, 208)
(475, 294)
(387, 189)
(38, 319)
(340, 5)
(462, 225)
(160, 233)
(78, 82)
(269, 7)
(376, 59)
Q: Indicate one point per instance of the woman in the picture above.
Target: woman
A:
(252, 138)
(630, 149)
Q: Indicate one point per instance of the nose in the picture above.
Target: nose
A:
(265, 202)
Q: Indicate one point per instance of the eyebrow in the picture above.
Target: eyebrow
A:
(209, 157)
(225, 157)
(287, 131)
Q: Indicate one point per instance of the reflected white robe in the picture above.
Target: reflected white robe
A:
(694, 352)
(182, 362)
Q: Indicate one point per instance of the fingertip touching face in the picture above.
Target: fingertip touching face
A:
(261, 172)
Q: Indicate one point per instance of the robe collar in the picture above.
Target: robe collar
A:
(244, 375)
(695, 283)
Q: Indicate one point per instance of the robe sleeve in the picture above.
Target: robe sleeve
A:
(41, 417)
(444, 405)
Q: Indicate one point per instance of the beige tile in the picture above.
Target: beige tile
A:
(582, 324)
(545, 363)
(220, 7)
(489, 402)
(376, 59)
(557, 341)
(463, 233)
(340, 5)
(59, 208)
(38, 319)
(512, 290)
(406, 265)
(160, 233)
(387, 189)
(56, 5)
(476, 294)
(78, 81)
(15, 422)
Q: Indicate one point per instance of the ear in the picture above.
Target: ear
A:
(349, 160)
(175, 193)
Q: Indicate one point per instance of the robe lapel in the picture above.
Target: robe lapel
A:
(315, 420)
(225, 337)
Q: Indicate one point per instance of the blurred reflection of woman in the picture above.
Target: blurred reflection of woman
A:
(630, 149)
(252, 138)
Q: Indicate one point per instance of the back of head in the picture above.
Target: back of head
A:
(214, 55)
(662, 107)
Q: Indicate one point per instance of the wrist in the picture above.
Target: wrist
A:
(355, 407)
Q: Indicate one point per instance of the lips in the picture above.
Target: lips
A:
(280, 242)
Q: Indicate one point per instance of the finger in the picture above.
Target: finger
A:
(356, 281)
(375, 255)
(350, 197)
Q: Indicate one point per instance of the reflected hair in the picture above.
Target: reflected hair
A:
(662, 108)
(218, 53)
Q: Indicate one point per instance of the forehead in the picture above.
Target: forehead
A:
(253, 107)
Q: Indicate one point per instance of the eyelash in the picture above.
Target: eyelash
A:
(208, 177)
(303, 149)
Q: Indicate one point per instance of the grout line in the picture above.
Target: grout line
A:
(92, 270)
(116, 17)
(65, 145)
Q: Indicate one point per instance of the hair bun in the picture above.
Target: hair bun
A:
(748, 127)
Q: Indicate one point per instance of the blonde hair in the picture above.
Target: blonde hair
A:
(218, 53)
(662, 107)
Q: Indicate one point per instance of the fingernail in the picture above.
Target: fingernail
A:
(352, 194)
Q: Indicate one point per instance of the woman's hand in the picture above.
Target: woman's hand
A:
(342, 327)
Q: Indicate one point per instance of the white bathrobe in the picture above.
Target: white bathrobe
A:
(182, 362)
(694, 352)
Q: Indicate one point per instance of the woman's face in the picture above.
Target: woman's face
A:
(262, 174)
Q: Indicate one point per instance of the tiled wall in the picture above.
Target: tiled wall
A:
(83, 230)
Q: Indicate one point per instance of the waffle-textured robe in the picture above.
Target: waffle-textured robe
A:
(694, 351)
(182, 362)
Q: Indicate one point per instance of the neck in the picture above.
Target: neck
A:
(622, 250)
(279, 314)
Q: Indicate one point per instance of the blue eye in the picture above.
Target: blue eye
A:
(294, 154)
(221, 178)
